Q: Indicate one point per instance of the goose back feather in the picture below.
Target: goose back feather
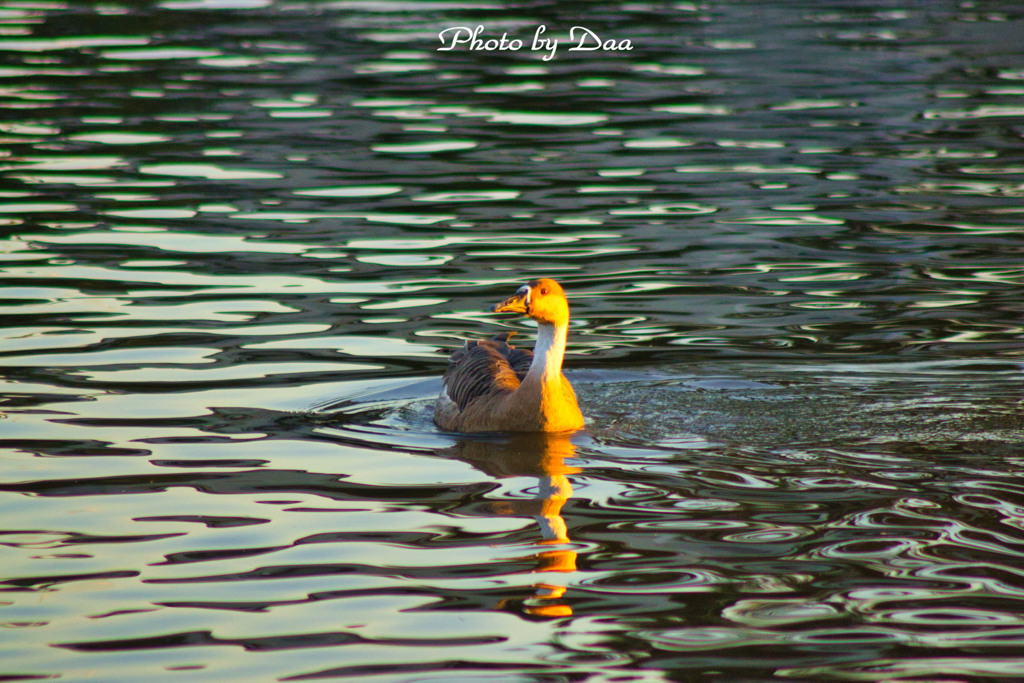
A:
(485, 368)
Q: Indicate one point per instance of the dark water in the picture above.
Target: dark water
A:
(241, 236)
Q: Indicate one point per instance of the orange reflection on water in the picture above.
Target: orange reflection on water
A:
(542, 456)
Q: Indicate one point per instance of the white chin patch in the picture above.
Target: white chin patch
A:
(525, 289)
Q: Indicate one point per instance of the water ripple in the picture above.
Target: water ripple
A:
(240, 239)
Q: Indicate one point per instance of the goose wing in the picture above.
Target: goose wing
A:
(485, 368)
(518, 359)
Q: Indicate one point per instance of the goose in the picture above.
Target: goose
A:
(493, 387)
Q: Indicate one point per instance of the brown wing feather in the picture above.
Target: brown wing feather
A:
(518, 359)
(485, 368)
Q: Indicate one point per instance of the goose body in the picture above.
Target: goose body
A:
(493, 387)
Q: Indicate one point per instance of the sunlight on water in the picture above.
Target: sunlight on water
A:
(364, 191)
(426, 147)
(208, 171)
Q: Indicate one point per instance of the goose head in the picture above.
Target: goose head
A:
(542, 300)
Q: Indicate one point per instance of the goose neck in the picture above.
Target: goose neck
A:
(548, 353)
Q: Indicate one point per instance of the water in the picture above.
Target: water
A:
(240, 238)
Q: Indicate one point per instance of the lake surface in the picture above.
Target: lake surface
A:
(241, 237)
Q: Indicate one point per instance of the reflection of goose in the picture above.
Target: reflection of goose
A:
(491, 387)
(538, 455)
(542, 456)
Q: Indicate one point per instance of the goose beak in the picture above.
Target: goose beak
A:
(517, 303)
